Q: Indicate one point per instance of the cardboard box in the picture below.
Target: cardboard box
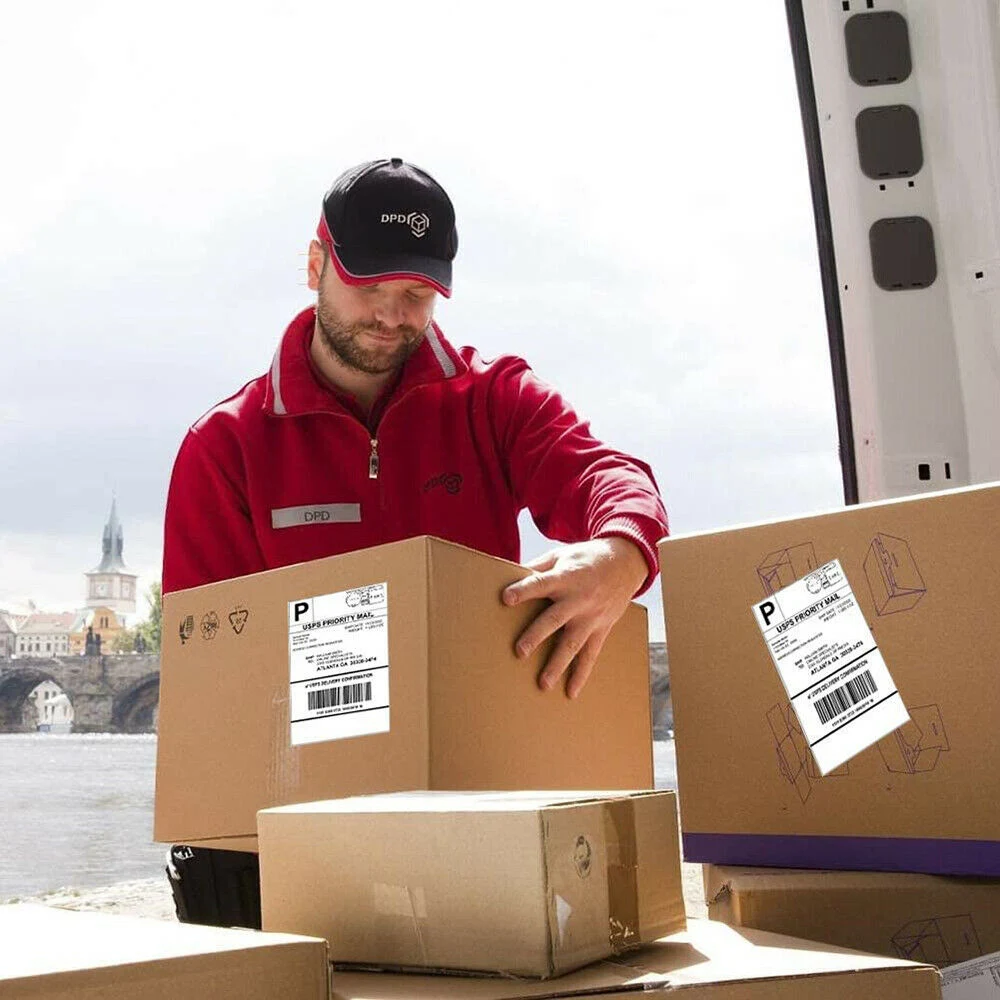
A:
(422, 623)
(926, 575)
(52, 954)
(709, 961)
(938, 919)
(511, 883)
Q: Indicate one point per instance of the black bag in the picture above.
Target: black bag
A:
(211, 886)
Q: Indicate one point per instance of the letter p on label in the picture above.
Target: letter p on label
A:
(766, 610)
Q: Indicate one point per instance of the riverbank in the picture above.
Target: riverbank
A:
(140, 898)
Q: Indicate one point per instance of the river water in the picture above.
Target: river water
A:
(77, 810)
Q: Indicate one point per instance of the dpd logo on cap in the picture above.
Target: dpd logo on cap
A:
(418, 222)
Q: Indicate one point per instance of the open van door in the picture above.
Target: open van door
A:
(901, 111)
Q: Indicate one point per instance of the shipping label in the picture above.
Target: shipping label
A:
(831, 667)
(338, 651)
(977, 979)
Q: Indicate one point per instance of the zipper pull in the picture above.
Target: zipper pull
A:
(373, 461)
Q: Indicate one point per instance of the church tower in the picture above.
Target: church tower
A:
(110, 584)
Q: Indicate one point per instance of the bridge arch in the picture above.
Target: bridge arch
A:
(135, 709)
(15, 686)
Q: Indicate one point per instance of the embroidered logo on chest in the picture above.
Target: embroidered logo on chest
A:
(451, 481)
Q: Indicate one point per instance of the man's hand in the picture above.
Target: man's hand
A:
(590, 585)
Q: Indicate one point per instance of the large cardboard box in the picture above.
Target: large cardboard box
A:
(938, 919)
(709, 961)
(429, 694)
(926, 575)
(52, 954)
(511, 883)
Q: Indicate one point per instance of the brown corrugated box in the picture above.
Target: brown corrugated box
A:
(938, 919)
(52, 954)
(926, 575)
(509, 883)
(709, 961)
(464, 712)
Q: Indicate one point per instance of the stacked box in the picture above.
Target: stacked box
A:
(938, 919)
(506, 883)
(925, 576)
(382, 670)
(52, 954)
(393, 670)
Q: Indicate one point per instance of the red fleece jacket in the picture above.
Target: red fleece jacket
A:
(285, 470)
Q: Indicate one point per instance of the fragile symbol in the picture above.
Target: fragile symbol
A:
(238, 618)
(582, 856)
(209, 625)
(186, 629)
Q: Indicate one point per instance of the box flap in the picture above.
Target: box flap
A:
(707, 953)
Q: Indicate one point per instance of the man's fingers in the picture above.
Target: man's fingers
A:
(549, 621)
(569, 645)
(531, 587)
(542, 562)
(583, 665)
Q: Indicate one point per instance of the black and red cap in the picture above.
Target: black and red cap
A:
(388, 219)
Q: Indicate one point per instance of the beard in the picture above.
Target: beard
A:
(344, 341)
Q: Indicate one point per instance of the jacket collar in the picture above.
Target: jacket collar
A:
(293, 388)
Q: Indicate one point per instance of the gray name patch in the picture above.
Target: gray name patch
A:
(319, 513)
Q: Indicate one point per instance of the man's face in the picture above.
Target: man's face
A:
(370, 328)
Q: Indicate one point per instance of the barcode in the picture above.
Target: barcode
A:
(348, 694)
(839, 700)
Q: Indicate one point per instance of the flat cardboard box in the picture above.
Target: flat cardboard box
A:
(52, 954)
(709, 961)
(464, 712)
(508, 883)
(926, 574)
(937, 919)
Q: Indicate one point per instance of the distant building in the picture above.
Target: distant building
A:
(99, 623)
(44, 635)
(47, 709)
(8, 635)
(110, 585)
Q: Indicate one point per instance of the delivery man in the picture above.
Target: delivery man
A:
(370, 427)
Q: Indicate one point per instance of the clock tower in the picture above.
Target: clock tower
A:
(110, 584)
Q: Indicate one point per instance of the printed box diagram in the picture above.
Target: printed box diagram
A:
(781, 568)
(916, 745)
(913, 748)
(938, 940)
(795, 762)
(893, 577)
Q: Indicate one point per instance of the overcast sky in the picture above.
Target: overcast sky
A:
(633, 210)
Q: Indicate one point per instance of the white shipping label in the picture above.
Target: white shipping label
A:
(977, 979)
(338, 652)
(837, 682)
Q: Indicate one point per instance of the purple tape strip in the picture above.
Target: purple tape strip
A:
(892, 854)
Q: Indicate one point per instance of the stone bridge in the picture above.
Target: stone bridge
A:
(109, 693)
(121, 693)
